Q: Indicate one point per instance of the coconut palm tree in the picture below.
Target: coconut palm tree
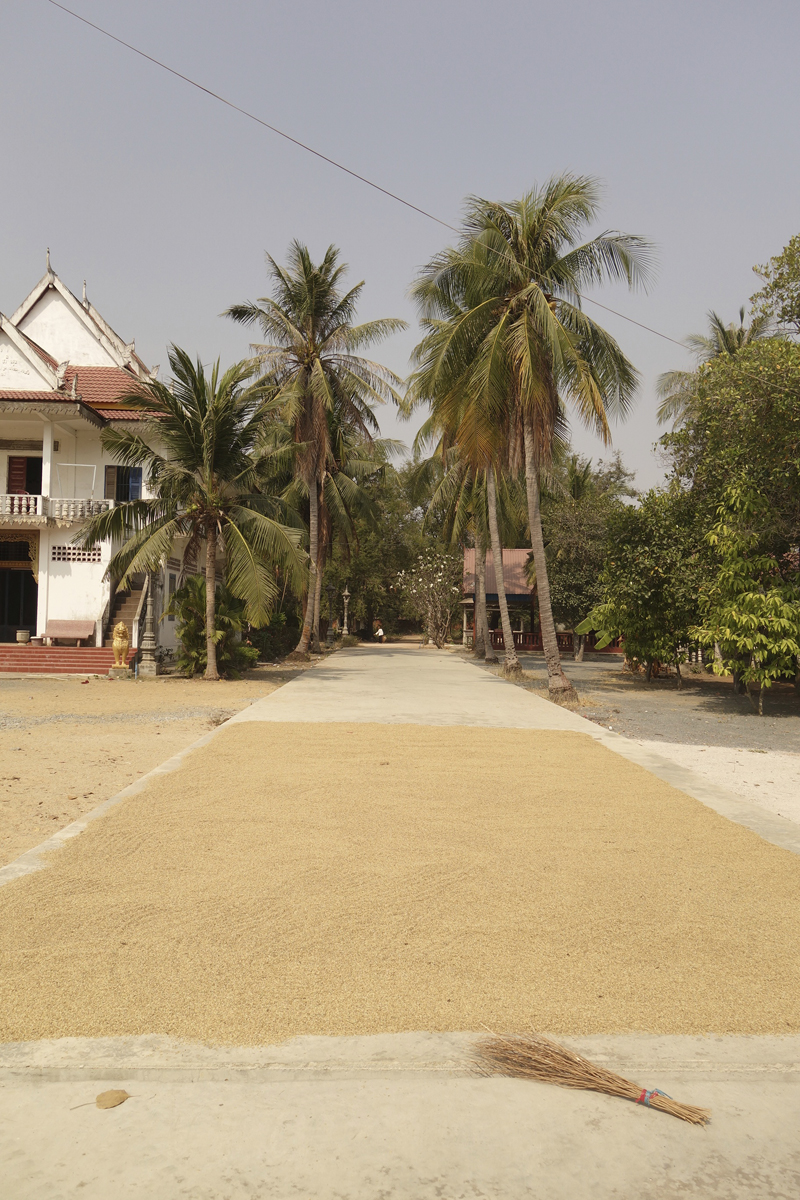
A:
(504, 326)
(677, 388)
(201, 443)
(311, 358)
(458, 500)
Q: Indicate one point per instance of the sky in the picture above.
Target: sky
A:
(165, 201)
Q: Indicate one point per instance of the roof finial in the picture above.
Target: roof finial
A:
(48, 260)
(84, 291)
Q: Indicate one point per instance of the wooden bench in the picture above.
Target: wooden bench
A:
(80, 630)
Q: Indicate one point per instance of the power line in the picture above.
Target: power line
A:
(252, 116)
(631, 321)
(317, 153)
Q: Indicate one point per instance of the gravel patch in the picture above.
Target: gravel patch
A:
(705, 712)
(355, 879)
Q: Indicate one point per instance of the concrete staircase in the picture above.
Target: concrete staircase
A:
(126, 605)
(56, 660)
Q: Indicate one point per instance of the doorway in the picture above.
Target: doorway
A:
(19, 594)
(24, 476)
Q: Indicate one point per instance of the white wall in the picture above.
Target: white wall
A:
(77, 446)
(16, 371)
(54, 326)
(76, 590)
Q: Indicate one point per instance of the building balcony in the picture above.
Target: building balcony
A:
(38, 510)
(75, 510)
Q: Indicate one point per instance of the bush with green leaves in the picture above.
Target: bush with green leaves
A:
(651, 580)
(188, 606)
(751, 610)
(276, 639)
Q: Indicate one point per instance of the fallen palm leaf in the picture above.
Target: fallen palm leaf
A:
(539, 1058)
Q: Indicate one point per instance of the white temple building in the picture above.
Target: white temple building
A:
(63, 371)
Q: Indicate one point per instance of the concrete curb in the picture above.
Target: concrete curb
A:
(640, 1057)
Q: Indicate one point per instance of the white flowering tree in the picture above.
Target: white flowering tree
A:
(432, 590)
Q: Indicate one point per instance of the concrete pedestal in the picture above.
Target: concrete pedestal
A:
(120, 673)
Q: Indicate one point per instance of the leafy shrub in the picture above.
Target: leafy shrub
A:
(275, 640)
(188, 606)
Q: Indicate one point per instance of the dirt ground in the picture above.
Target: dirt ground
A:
(333, 879)
(66, 745)
(705, 711)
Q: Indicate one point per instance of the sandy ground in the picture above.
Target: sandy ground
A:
(337, 879)
(65, 746)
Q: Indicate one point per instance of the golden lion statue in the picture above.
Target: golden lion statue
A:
(120, 643)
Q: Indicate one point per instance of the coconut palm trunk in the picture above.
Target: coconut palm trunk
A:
(489, 655)
(318, 595)
(511, 665)
(557, 681)
(479, 611)
(211, 595)
(313, 550)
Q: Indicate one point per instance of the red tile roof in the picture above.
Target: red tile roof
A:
(121, 414)
(100, 385)
(48, 358)
(515, 575)
(18, 394)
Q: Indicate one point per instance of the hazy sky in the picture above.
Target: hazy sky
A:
(165, 201)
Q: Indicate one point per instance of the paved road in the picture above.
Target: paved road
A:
(396, 1115)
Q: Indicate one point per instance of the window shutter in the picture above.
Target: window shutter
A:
(110, 489)
(135, 487)
(17, 468)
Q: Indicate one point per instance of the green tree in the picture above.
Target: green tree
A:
(577, 510)
(745, 425)
(651, 580)
(311, 358)
(458, 509)
(188, 605)
(751, 610)
(385, 539)
(506, 340)
(678, 389)
(779, 299)
(201, 446)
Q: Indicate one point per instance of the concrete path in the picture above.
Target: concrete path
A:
(402, 1115)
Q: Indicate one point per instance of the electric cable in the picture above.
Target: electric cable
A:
(325, 158)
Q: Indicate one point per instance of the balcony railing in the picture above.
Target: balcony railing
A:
(22, 506)
(59, 509)
(76, 510)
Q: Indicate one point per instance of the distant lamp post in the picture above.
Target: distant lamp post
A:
(346, 598)
(329, 634)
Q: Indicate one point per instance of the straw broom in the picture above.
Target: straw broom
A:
(539, 1058)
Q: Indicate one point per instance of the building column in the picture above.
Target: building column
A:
(44, 575)
(47, 457)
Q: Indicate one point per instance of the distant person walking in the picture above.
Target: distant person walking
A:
(379, 634)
